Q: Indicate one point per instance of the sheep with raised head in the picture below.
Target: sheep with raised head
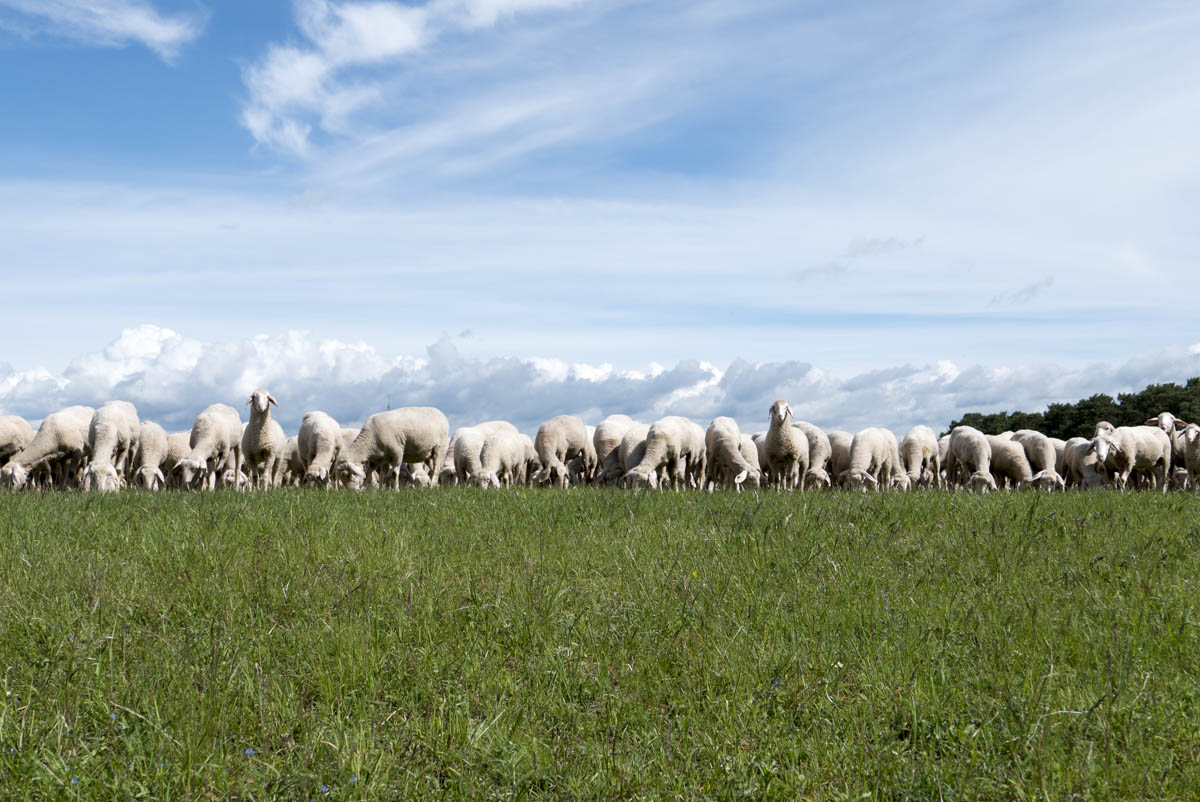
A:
(725, 463)
(149, 458)
(215, 446)
(1135, 448)
(1191, 453)
(263, 441)
(969, 459)
(408, 434)
(1172, 426)
(787, 448)
(60, 446)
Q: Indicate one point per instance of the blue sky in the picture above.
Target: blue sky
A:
(981, 189)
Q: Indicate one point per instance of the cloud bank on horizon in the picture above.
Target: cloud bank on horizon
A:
(170, 378)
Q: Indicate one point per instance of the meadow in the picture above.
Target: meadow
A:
(464, 644)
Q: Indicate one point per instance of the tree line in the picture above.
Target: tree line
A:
(1079, 419)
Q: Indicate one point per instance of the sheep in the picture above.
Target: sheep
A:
(1172, 426)
(607, 443)
(970, 454)
(819, 452)
(150, 456)
(502, 460)
(633, 446)
(112, 440)
(1081, 469)
(919, 457)
(839, 452)
(263, 441)
(468, 445)
(787, 448)
(215, 445)
(726, 464)
(1043, 458)
(178, 449)
(60, 446)
(408, 434)
(871, 460)
(15, 434)
(558, 441)
(1009, 463)
(671, 443)
(1130, 448)
(317, 447)
(1191, 453)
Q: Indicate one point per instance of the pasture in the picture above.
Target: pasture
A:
(463, 644)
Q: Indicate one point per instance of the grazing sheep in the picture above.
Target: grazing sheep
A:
(633, 446)
(559, 440)
(871, 460)
(150, 456)
(726, 464)
(468, 445)
(1060, 454)
(408, 434)
(178, 448)
(839, 452)
(215, 445)
(1009, 463)
(317, 447)
(607, 443)
(1135, 448)
(970, 456)
(787, 448)
(60, 446)
(1042, 458)
(819, 452)
(112, 440)
(502, 460)
(263, 441)
(15, 434)
(919, 458)
(671, 443)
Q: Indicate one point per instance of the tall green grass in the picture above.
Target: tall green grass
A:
(583, 644)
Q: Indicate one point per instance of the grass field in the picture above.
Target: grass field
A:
(471, 645)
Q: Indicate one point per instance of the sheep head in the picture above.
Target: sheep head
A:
(260, 401)
(981, 482)
(14, 476)
(103, 478)
(351, 474)
(780, 411)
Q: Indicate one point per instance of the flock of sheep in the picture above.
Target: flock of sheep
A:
(109, 448)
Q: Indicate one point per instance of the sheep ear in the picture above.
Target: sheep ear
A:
(1151, 422)
(159, 475)
(741, 477)
(1179, 422)
(871, 479)
(271, 400)
(1037, 476)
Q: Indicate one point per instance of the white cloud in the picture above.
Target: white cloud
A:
(112, 23)
(171, 377)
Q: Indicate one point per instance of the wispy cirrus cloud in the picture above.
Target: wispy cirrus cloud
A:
(112, 23)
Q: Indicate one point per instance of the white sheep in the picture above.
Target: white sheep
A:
(408, 434)
(1172, 426)
(60, 446)
(819, 453)
(726, 464)
(468, 445)
(607, 443)
(15, 434)
(263, 441)
(919, 457)
(1043, 458)
(1135, 448)
(317, 447)
(1060, 454)
(787, 448)
(1009, 463)
(558, 441)
(178, 448)
(502, 460)
(970, 455)
(215, 445)
(1081, 469)
(150, 456)
(1191, 453)
(839, 452)
(633, 446)
(871, 460)
(674, 443)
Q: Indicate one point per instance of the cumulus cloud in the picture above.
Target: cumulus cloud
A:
(171, 377)
(292, 86)
(112, 23)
